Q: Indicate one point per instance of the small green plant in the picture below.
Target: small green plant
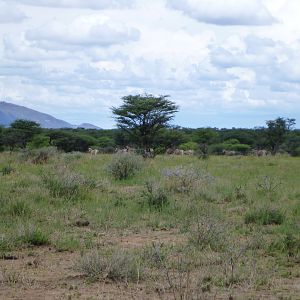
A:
(19, 209)
(120, 265)
(265, 216)
(268, 185)
(33, 236)
(124, 165)
(7, 170)
(155, 195)
(67, 244)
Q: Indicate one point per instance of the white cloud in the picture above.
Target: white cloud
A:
(84, 31)
(225, 12)
(91, 4)
(79, 63)
(10, 13)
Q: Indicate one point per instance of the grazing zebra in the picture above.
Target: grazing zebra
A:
(93, 151)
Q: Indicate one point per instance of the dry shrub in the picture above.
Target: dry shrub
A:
(124, 165)
(120, 265)
(185, 179)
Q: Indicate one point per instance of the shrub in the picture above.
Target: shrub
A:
(6, 170)
(124, 165)
(183, 179)
(189, 146)
(241, 148)
(268, 186)
(66, 184)
(119, 266)
(19, 209)
(67, 244)
(265, 216)
(33, 236)
(155, 195)
(38, 156)
(208, 232)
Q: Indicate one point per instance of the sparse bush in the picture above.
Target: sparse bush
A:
(118, 266)
(289, 244)
(32, 235)
(19, 209)
(66, 184)
(155, 195)
(155, 255)
(265, 216)
(71, 156)
(184, 179)
(6, 170)
(124, 165)
(38, 156)
(268, 185)
(208, 232)
(66, 244)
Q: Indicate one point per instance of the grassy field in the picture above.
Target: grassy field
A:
(179, 228)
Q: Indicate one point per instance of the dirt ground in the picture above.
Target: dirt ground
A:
(44, 273)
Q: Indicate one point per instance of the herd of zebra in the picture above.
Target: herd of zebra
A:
(149, 152)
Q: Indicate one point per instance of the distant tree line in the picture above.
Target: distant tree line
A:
(278, 136)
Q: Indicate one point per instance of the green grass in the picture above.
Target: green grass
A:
(249, 205)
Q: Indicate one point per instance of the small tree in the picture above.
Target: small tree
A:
(22, 131)
(142, 116)
(277, 132)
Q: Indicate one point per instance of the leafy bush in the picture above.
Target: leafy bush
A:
(230, 145)
(265, 216)
(189, 146)
(119, 266)
(155, 195)
(184, 179)
(241, 148)
(124, 165)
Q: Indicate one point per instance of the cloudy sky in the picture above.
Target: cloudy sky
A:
(226, 63)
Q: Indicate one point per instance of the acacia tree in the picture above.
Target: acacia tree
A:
(277, 132)
(142, 116)
(20, 133)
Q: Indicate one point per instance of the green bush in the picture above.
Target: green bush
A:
(33, 236)
(124, 165)
(6, 170)
(155, 195)
(242, 148)
(66, 184)
(189, 146)
(265, 216)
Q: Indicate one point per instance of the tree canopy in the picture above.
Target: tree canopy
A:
(277, 132)
(142, 116)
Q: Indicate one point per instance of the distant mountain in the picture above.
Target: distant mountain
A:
(88, 126)
(10, 112)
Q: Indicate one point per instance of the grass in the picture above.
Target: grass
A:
(230, 219)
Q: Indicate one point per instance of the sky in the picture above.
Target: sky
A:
(226, 63)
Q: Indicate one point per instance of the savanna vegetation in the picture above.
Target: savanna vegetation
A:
(118, 226)
(71, 225)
